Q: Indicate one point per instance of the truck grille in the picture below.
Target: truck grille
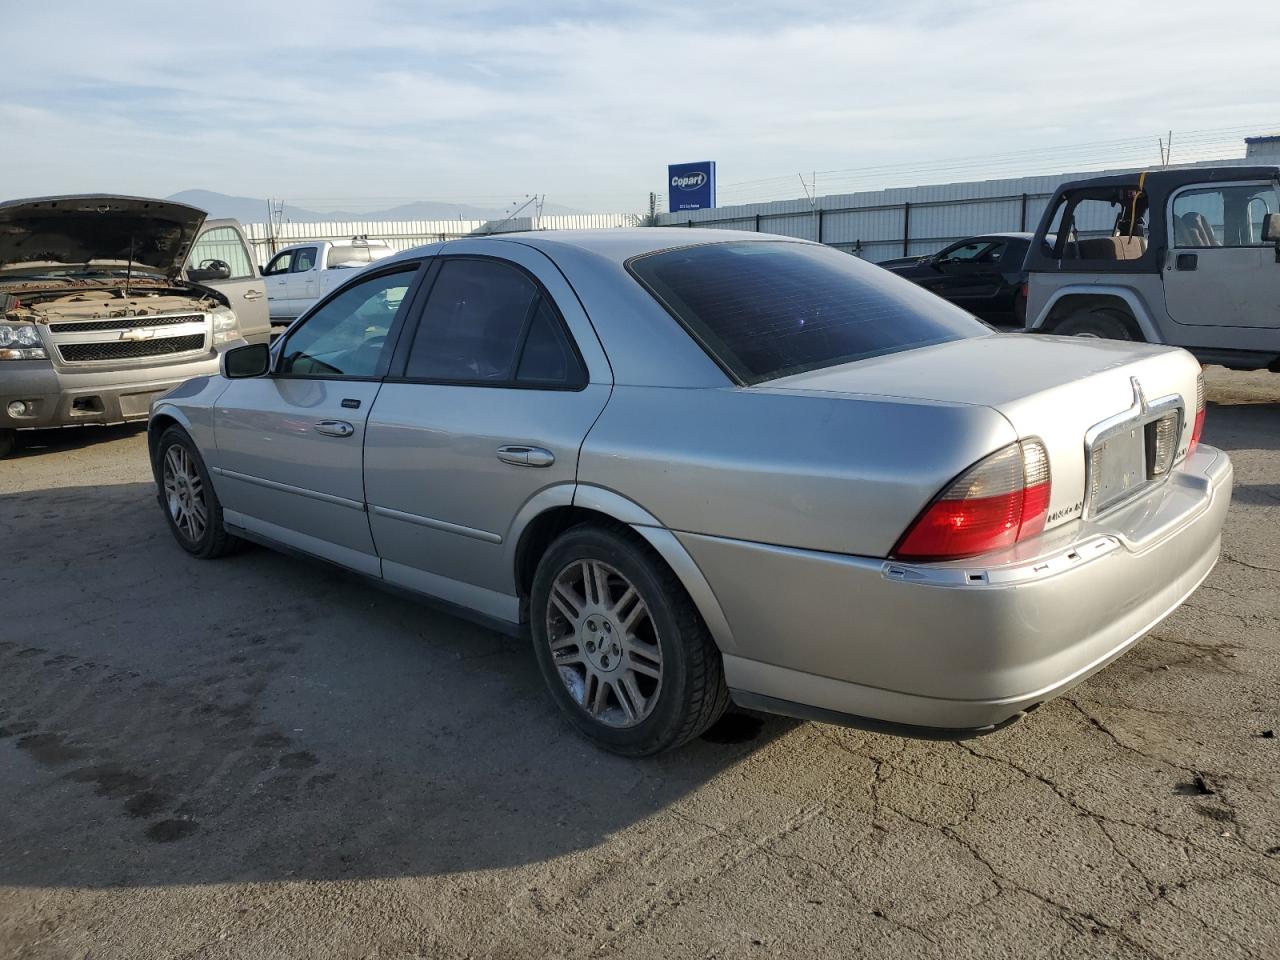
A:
(129, 349)
(123, 323)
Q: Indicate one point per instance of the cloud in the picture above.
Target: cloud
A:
(587, 102)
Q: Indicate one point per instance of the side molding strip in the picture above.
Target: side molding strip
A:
(289, 488)
(435, 524)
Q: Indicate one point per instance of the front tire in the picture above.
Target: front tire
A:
(188, 499)
(621, 646)
(8, 440)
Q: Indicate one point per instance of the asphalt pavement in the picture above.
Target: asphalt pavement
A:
(264, 757)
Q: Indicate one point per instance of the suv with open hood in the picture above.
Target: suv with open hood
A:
(99, 311)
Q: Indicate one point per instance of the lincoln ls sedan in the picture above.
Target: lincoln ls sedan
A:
(699, 466)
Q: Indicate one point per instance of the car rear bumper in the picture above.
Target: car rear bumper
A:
(964, 646)
(59, 398)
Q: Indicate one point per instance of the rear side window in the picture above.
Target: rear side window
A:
(304, 260)
(488, 323)
(766, 309)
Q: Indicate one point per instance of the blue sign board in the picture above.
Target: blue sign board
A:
(692, 186)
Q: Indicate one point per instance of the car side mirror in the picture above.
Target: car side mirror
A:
(1271, 228)
(209, 270)
(251, 360)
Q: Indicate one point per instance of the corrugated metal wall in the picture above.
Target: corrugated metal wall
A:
(404, 234)
(903, 221)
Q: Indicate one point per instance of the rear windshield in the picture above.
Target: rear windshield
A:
(767, 309)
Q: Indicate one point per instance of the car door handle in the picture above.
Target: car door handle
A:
(522, 456)
(253, 294)
(1186, 261)
(335, 428)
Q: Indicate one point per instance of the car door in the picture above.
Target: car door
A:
(486, 408)
(1218, 271)
(303, 283)
(969, 274)
(289, 445)
(276, 276)
(244, 288)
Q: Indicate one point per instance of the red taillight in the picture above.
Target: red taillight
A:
(994, 504)
(1198, 427)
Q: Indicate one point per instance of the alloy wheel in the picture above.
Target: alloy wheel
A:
(184, 493)
(604, 643)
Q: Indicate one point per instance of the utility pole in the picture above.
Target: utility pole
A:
(813, 200)
(271, 229)
(653, 210)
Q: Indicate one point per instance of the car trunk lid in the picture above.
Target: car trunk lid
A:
(1056, 389)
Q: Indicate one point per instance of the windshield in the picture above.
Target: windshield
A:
(768, 309)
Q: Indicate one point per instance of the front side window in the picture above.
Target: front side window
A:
(223, 243)
(347, 335)
(978, 251)
(280, 263)
(966, 252)
(1222, 216)
(767, 309)
(304, 260)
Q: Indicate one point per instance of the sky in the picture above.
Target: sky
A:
(368, 103)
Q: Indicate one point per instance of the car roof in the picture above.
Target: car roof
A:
(1164, 180)
(621, 245)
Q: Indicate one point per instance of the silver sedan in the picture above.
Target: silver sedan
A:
(702, 466)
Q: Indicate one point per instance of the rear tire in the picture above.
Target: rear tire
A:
(1096, 324)
(621, 646)
(8, 440)
(188, 499)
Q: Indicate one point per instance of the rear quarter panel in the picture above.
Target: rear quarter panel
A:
(845, 474)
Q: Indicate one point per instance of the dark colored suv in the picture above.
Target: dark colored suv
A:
(982, 274)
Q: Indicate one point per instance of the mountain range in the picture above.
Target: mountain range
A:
(254, 210)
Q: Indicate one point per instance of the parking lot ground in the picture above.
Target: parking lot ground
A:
(263, 757)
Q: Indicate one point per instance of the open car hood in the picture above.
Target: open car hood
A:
(56, 231)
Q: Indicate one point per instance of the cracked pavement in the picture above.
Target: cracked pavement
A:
(262, 757)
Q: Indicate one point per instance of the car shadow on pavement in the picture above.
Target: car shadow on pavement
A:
(34, 443)
(166, 720)
(1243, 426)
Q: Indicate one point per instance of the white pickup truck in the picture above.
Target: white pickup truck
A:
(299, 275)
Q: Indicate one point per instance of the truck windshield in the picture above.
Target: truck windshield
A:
(767, 309)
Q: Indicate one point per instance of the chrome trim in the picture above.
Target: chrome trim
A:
(435, 524)
(973, 573)
(139, 331)
(289, 488)
(1139, 414)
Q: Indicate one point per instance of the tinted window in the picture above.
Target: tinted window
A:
(473, 324)
(304, 260)
(222, 243)
(347, 336)
(992, 254)
(768, 309)
(1016, 252)
(547, 357)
